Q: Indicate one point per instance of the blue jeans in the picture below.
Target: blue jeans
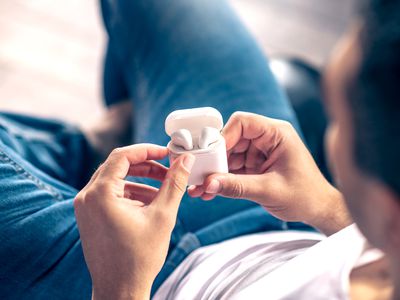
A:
(164, 55)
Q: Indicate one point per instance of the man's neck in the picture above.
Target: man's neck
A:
(396, 279)
(372, 281)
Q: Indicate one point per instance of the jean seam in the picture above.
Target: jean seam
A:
(36, 181)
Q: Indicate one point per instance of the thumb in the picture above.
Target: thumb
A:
(233, 186)
(176, 180)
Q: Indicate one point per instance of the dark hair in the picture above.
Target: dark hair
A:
(374, 93)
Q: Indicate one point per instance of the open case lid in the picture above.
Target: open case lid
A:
(194, 120)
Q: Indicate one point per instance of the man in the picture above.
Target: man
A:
(126, 242)
(270, 165)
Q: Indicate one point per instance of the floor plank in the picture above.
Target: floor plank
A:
(50, 58)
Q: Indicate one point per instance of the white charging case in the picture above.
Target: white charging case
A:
(208, 161)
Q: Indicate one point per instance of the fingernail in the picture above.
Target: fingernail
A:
(188, 162)
(214, 187)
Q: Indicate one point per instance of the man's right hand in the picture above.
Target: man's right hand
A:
(269, 164)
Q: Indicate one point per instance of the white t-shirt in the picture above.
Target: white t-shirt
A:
(273, 265)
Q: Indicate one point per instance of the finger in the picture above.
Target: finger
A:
(241, 146)
(241, 125)
(148, 169)
(208, 197)
(241, 171)
(250, 126)
(118, 163)
(175, 183)
(254, 159)
(195, 191)
(234, 186)
(236, 161)
(140, 192)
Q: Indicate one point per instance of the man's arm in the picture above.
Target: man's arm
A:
(269, 164)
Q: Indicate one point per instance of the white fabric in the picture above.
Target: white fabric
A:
(275, 265)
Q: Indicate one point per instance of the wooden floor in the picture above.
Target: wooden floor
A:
(50, 50)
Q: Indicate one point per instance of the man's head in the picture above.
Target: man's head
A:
(361, 85)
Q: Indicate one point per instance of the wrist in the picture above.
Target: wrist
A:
(332, 215)
(118, 292)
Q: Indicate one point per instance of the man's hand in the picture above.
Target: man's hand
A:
(125, 227)
(269, 164)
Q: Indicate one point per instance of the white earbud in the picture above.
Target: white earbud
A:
(182, 138)
(209, 135)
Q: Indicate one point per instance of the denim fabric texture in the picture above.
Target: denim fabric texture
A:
(163, 55)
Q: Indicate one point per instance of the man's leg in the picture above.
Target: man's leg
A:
(179, 54)
(58, 149)
(40, 253)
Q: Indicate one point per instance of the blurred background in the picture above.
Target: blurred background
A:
(51, 50)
